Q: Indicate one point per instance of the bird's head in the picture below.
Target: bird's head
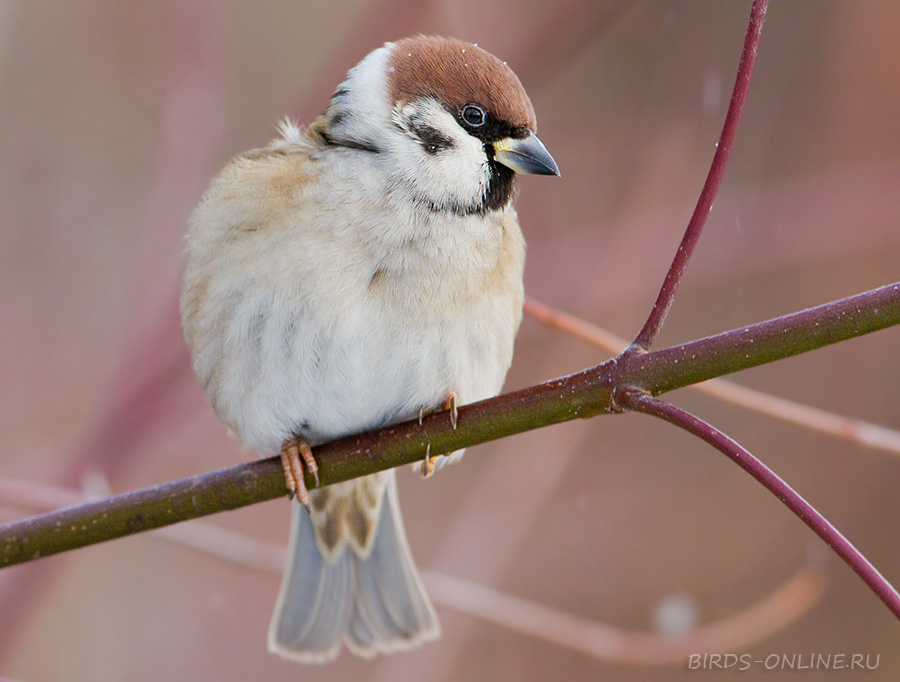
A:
(451, 123)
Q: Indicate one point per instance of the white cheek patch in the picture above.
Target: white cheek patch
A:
(440, 161)
(447, 171)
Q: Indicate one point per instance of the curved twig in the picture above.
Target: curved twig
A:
(639, 401)
(663, 302)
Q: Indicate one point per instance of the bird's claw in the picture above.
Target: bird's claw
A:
(451, 404)
(292, 452)
(428, 463)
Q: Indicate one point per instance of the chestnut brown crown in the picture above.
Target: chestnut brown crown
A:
(457, 73)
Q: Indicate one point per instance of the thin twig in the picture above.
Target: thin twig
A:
(780, 608)
(654, 322)
(639, 401)
(851, 429)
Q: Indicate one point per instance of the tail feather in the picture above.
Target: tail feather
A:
(314, 606)
(375, 603)
(392, 611)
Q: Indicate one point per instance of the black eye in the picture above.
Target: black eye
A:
(473, 115)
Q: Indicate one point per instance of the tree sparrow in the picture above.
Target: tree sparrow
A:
(344, 278)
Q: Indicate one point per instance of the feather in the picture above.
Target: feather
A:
(375, 603)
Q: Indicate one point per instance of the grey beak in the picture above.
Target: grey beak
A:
(525, 155)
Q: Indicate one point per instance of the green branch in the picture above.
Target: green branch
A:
(585, 394)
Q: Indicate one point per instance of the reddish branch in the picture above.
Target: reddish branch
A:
(585, 394)
(641, 402)
(654, 322)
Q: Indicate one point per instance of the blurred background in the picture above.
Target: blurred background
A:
(113, 116)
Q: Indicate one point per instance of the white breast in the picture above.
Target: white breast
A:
(318, 304)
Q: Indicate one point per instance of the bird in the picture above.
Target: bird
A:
(352, 274)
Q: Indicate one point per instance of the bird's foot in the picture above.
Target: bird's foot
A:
(293, 450)
(451, 404)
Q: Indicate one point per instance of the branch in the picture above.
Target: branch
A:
(793, 598)
(585, 394)
(713, 179)
(855, 430)
(768, 341)
(786, 604)
(641, 402)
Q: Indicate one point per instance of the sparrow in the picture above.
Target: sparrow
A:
(351, 275)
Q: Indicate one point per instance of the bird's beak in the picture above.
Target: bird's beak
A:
(525, 155)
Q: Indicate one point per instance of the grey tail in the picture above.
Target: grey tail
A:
(375, 603)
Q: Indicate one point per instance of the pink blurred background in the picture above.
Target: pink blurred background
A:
(113, 116)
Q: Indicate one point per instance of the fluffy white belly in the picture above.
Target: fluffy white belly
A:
(328, 372)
